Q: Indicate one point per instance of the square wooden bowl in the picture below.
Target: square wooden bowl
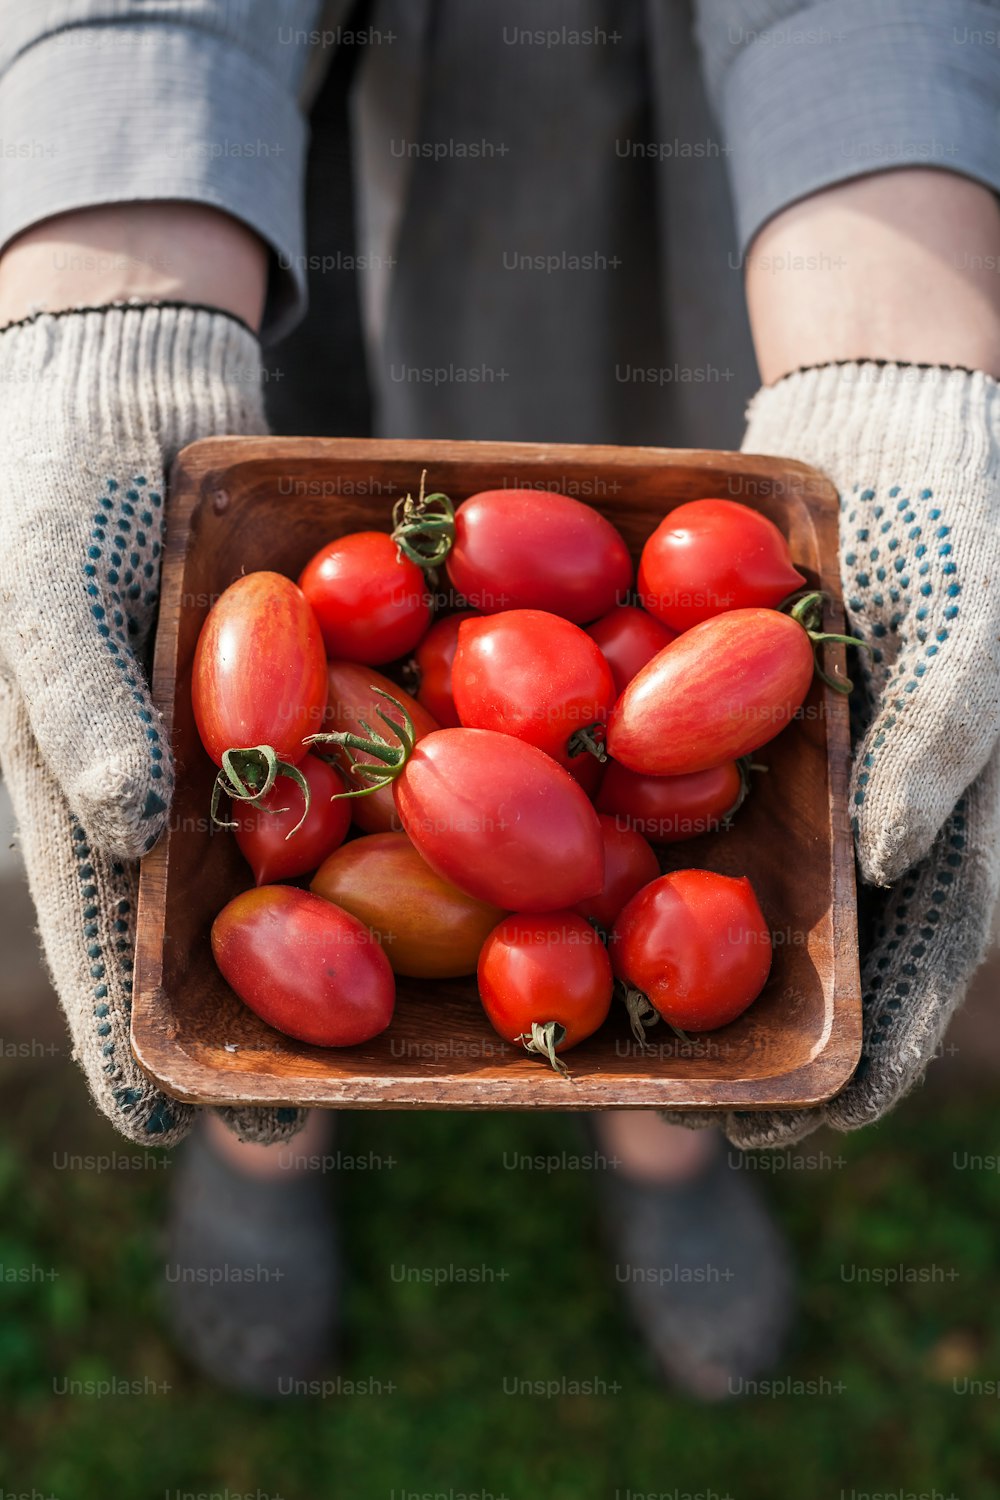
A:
(241, 504)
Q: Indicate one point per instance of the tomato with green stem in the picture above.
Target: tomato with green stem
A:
(629, 638)
(277, 842)
(692, 947)
(720, 690)
(258, 686)
(304, 966)
(708, 556)
(537, 677)
(357, 694)
(545, 982)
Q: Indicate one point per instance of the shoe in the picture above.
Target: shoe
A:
(252, 1273)
(705, 1272)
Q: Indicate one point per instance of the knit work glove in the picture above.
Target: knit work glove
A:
(95, 404)
(915, 455)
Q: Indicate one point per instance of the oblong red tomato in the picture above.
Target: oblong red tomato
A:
(535, 676)
(551, 972)
(433, 658)
(372, 604)
(304, 966)
(501, 820)
(265, 833)
(259, 673)
(352, 698)
(708, 556)
(720, 690)
(532, 549)
(629, 638)
(696, 945)
(629, 864)
(429, 929)
(667, 809)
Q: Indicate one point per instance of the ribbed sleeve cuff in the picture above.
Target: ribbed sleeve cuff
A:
(855, 86)
(117, 114)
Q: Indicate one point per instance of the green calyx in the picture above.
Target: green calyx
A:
(424, 529)
(807, 611)
(248, 775)
(543, 1038)
(641, 1013)
(391, 754)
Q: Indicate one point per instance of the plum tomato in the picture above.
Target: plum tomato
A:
(270, 841)
(372, 604)
(433, 660)
(629, 864)
(304, 966)
(694, 945)
(429, 928)
(532, 549)
(537, 677)
(708, 556)
(629, 638)
(545, 982)
(259, 674)
(501, 820)
(667, 809)
(353, 699)
(717, 692)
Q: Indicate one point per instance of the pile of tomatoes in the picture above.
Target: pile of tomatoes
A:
(497, 815)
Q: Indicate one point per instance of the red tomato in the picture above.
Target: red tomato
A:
(719, 691)
(713, 555)
(629, 638)
(531, 549)
(501, 820)
(545, 982)
(629, 864)
(372, 604)
(352, 700)
(696, 945)
(259, 674)
(304, 966)
(666, 809)
(265, 836)
(535, 676)
(434, 657)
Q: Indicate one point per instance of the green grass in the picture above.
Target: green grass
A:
(897, 1424)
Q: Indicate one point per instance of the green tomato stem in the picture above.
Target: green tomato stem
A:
(393, 757)
(544, 1038)
(584, 741)
(247, 775)
(424, 529)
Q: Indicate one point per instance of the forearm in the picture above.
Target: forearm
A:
(152, 251)
(901, 266)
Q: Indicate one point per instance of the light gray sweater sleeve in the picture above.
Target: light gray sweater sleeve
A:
(105, 101)
(809, 93)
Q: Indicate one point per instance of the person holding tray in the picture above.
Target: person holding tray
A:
(576, 223)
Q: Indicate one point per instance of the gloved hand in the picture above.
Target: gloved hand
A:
(915, 455)
(95, 404)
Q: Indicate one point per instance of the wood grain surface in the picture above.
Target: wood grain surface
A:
(238, 504)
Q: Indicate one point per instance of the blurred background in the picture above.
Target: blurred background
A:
(891, 1386)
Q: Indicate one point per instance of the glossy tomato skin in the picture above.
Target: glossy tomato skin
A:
(535, 676)
(531, 549)
(304, 966)
(667, 809)
(629, 864)
(429, 928)
(259, 674)
(540, 969)
(629, 638)
(265, 836)
(501, 820)
(351, 699)
(696, 945)
(371, 604)
(713, 555)
(719, 691)
(434, 657)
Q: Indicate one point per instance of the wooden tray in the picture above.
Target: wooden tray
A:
(240, 504)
